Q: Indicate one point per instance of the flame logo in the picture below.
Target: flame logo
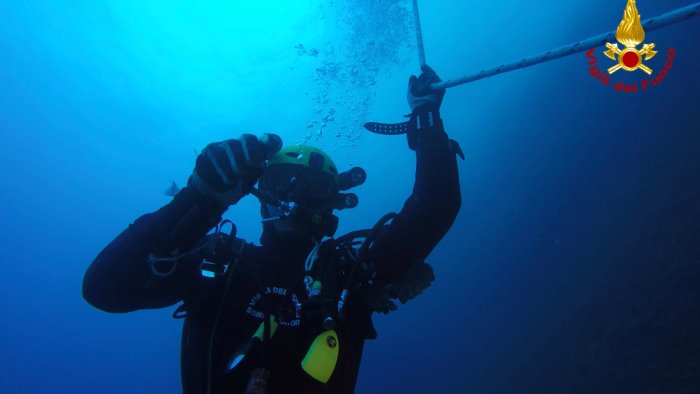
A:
(630, 32)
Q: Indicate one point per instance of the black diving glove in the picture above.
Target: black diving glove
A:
(420, 276)
(421, 97)
(226, 171)
(425, 129)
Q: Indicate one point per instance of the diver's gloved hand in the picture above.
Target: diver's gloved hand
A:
(425, 130)
(420, 95)
(417, 278)
(380, 302)
(257, 383)
(226, 171)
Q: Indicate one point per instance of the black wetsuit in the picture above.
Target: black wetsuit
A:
(120, 280)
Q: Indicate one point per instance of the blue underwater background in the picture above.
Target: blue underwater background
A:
(573, 266)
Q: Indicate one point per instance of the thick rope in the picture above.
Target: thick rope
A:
(419, 35)
(667, 19)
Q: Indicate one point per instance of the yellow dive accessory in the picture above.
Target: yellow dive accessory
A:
(251, 343)
(322, 356)
(261, 329)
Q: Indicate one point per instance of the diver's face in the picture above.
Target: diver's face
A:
(287, 228)
(312, 190)
(309, 187)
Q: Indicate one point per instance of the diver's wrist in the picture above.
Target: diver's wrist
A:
(205, 201)
(426, 131)
(425, 116)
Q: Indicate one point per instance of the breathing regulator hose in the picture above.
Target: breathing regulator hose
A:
(361, 256)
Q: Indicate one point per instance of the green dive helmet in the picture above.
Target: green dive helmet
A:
(308, 176)
(305, 156)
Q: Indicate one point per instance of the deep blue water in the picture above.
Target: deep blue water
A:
(573, 266)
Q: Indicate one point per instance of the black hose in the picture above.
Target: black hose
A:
(362, 254)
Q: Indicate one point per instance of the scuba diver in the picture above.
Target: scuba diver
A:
(291, 315)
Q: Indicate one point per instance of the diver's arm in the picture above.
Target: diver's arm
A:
(132, 271)
(431, 209)
(427, 214)
(120, 279)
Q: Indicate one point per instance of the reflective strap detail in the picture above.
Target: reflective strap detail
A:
(231, 159)
(425, 120)
(418, 121)
(180, 312)
(216, 166)
(244, 148)
(387, 128)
